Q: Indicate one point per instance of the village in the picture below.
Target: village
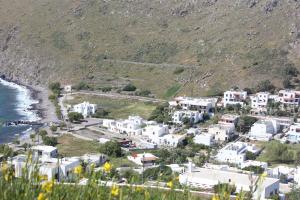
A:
(204, 141)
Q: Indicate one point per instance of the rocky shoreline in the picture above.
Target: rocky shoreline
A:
(44, 108)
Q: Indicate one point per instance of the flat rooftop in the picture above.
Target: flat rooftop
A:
(226, 177)
(44, 148)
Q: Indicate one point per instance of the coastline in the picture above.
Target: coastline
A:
(38, 105)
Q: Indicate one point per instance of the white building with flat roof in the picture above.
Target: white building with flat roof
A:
(222, 133)
(204, 105)
(259, 100)
(208, 178)
(293, 135)
(235, 152)
(44, 152)
(131, 126)
(229, 119)
(193, 116)
(85, 108)
(289, 97)
(264, 130)
(234, 97)
(155, 130)
(205, 139)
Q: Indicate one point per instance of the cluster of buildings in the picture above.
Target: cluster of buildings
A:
(149, 133)
(45, 159)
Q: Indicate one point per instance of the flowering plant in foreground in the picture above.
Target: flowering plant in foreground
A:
(32, 186)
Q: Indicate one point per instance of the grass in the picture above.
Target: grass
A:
(119, 162)
(172, 91)
(69, 145)
(118, 108)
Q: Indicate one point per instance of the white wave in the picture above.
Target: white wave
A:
(25, 101)
(26, 134)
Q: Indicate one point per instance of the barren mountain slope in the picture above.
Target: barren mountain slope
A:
(168, 46)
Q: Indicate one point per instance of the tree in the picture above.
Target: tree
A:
(53, 128)
(55, 87)
(43, 132)
(6, 151)
(250, 155)
(221, 187)
(286, 83)
(129, 87)
(264, 86)
(50, 141)
(161, 114)
(75, 116)
(294, 194)
(254, 169)
(279, 153)
(245, 123)
(111, 148)
(162, 172)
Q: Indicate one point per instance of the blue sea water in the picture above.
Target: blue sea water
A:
(12, 107)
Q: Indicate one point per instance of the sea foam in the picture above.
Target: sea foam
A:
(25, 101)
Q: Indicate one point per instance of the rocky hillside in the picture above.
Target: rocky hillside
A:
(167, 46)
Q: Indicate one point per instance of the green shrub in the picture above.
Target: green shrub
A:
(178, 70)
(75, 116)
(59, 41)
(129, 88)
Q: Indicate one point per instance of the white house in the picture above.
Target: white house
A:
(234, 97)
(204, 105)
(235, 153)
(259, 101)
(96, 159)
(44, 152)
(52, 168)
(229, 119)
(293, 134)
(193, 116)
(159, 134)
(171, 140)
(85, 108)
(289, 97)
(221, 132)
(207, 178)
(143, 159)
(131, 126)
(155, 130)
(60, 170)
(264, 130)
(205, 139)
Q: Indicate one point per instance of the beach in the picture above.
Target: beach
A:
(33, 102)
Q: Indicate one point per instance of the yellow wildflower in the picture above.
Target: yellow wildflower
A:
(107, 167)
(264, 175)
(41, 196)
(215, 197)
(147, 195)
(170, 184)
(139, 189)
(47, 186)
(78, 170)
(4, 168)
(115, 190)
